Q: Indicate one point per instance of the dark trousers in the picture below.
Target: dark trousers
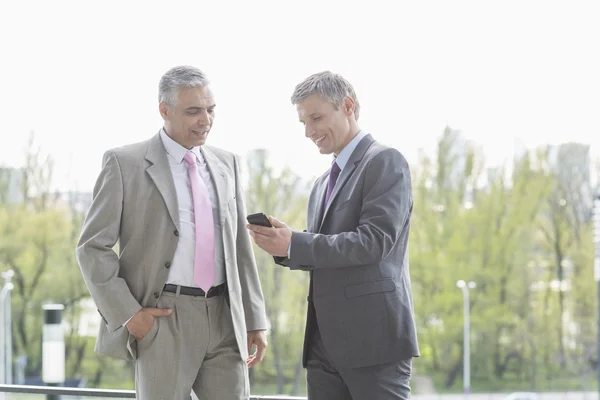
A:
(326, 381)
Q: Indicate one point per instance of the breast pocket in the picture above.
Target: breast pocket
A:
(342, 205)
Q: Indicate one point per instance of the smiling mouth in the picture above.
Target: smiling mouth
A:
(319, 140)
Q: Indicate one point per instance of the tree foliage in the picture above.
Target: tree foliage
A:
(524, 238)
(521, 231)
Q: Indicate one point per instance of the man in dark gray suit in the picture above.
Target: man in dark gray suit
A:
(360, 332)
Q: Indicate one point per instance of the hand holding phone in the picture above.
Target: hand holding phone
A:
(259, 219)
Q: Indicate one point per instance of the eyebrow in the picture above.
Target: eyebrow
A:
(312, 115)
(196, 108)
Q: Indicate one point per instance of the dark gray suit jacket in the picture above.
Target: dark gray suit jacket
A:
(357, 253)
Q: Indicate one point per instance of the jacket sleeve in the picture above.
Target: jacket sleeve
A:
(97, 260)
(252, 295)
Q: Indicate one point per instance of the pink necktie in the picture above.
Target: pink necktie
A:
(204, 257)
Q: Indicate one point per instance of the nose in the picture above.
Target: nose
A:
(204, 118)
(308, 131)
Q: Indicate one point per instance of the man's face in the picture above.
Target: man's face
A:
(188, 122)
(329, 128)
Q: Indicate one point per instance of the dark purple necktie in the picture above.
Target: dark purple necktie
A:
(333, 177)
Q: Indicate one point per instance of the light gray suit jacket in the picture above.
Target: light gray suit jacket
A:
(135, 204)
(357, 254)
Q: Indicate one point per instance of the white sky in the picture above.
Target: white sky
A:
(84, 74)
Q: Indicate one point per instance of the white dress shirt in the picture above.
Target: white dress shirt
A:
(182, 265)
(344, 156)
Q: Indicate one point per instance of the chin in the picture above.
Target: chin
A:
(324, 150)
(200, 141)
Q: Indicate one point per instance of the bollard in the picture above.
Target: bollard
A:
(53, 348)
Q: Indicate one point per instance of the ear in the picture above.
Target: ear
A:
(164, 110)
(348, 106)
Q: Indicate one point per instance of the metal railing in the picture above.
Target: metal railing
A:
(105, 393)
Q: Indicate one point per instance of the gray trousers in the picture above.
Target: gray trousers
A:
(194, 348)
(325, 381)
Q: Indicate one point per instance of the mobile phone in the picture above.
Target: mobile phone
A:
(259, 219)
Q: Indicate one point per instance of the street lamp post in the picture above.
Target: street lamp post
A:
(464, 287)
(597, 270)
(6, 330)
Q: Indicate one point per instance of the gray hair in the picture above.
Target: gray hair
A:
(183, 76)
(329, 86)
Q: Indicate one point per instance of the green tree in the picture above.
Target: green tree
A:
(283, 195)
(484, 234)
(38, 232)
(564, 225)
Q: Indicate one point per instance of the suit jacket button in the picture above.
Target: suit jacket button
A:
(156, 295)
(167, 265)
(176, 232)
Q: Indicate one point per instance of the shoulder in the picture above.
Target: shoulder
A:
(223, 156)
(130, 153)
(379, 154)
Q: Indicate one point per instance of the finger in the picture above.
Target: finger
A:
(251, 361)
(258, 238)
(275, 222)
(254, 361)
(260, 353)
(250, 343)
(263, 230)
(159, 312)
(261, 240)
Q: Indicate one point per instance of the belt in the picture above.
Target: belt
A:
(193, 291)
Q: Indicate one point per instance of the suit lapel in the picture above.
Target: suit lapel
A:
(219, 178)
(355, 159)
(160, 173)
(319, 198)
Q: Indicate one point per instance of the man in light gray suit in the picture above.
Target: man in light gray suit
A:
(360, 331)
(181, 296)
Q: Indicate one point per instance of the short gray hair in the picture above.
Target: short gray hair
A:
(329, 86)
(183, 76)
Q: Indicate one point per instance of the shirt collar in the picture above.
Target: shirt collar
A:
(176, 150)
(344, 156)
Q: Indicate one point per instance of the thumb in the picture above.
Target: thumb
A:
(159, 312)
(250, 343)
(276, 223)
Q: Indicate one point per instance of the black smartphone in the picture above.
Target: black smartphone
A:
(259, 219)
